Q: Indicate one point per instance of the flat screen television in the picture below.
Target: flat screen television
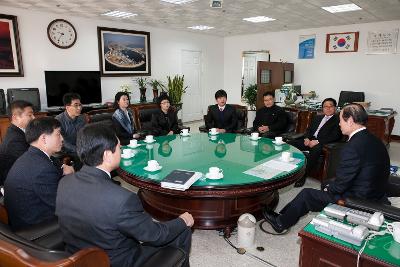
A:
(86, 83)
(28, 94)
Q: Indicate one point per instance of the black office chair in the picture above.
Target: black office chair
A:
(350, 97)
(2, 102)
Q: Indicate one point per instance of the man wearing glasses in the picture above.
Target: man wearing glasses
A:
(71, 122)
(324, 129)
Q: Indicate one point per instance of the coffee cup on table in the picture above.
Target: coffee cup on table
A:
(149, 138)
(214, 171)
(127, 153)
(213, 131)
(278, 140)
(153, 164)
(185, 131)
(133, 142)
(254, 135)
(286, 156)
(394, 229)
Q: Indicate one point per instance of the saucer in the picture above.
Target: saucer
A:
(152, 170)
(184, 135)
(255, 139)
(137, 145)
(291, 159)
(126, 157)
(221, 175)
(278, 144)
(147, 142)
(213, 133)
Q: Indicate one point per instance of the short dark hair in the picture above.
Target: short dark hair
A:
(220, 93)
(269, 93)
(39, 126)
(118, 97)
(161, 98)
(91, 142)
(357, 112)
(19, 105)
(69, 97)
(329, 99)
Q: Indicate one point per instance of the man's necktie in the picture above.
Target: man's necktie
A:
(323, 121)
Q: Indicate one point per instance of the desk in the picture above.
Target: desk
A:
(214, 204)
(318, 249)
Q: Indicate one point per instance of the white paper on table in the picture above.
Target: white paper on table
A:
(279, 165)
(263, 172)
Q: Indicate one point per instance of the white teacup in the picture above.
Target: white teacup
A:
(254, 135)
(214, 171)
(286, 156)
(213, 138)
(153, 164)
(149, 138)
(394, 229)
(213, 131)
(185, 131)
(278, 140)
(133, 142)
(127, 153)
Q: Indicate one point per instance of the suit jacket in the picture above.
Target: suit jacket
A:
(30, 189)
(123, 134)
(226, 119)
(328, 133)
(363, 171)
(161, 124)
(12, 147)
(93, 211)
(274, 117)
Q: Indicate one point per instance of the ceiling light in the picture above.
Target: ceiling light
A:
(342, 8)
(119, 14)
(259, 19)
(201, 27)
(178, 2)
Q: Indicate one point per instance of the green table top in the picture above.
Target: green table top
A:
(383, 248)
(233, 153)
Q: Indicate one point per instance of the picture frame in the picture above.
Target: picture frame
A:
(124, 52)
(10, 50)
(342, 42)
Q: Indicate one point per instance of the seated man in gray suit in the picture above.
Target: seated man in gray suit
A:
(93, 211)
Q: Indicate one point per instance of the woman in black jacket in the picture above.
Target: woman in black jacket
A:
(165, 121)
(123, 119)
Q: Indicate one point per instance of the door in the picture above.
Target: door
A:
(192, 99)
(249, 70)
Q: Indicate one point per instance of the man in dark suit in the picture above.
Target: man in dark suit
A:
(221, 115)
(14, 143)
(362, 172)
(93, 211)
(324, 129)
(31, 184)
(270, 120)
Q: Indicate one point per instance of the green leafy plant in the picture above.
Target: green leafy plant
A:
(250, 96)
(141, 82)
(156, 84)
(176, 88)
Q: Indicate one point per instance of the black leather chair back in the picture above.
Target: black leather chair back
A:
(6, 162)
(103, 116)
(145, 115)
(349, 97)
(332, 162)
(292, 118)
(241, 113)
(2, 102)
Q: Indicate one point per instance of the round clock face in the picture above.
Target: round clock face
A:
(61, 33)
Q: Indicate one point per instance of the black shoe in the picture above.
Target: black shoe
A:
(270, 216)
(300, 182)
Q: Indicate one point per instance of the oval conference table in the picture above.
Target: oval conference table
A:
(246, 187)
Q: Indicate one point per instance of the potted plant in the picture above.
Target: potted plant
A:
(250, 98)
(156, 84)
(176, 89)
(142, 87)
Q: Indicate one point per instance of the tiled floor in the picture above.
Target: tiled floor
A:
(210, 249)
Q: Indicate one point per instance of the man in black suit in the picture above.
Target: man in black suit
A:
(14, 143)
(324, 129)
(362, 172)
(221, 115)
(270, 120)
(31, 184)
(93, 211)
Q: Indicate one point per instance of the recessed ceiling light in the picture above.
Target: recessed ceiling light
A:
(342, 8)
(119, 14)
(259, 19)
(201, 27)
(178, 2)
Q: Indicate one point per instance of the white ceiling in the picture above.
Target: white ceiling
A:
(289, 14)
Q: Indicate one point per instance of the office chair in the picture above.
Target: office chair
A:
(2, 102)
(350, 97)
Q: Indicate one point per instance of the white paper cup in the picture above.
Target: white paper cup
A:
(254, 135)
(185, 131)
(278, 140)
(149, 138)
(213, 131)
(394, 229)
(214, 171)
(286, 156)
(152, 164)
(133, 142)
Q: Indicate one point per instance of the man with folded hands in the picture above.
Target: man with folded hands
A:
(93, 211)
(222, 116)
(363, 172)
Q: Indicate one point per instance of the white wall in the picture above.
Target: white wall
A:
(38, 54)
(328, 73)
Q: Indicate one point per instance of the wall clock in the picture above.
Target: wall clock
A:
(61, 33)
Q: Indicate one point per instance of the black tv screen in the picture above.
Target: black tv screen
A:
(86, 83)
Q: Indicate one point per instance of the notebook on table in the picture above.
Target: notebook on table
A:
(180, 179)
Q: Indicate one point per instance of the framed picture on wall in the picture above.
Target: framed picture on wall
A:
(10, 51)
(124, 52)
(342, 42)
